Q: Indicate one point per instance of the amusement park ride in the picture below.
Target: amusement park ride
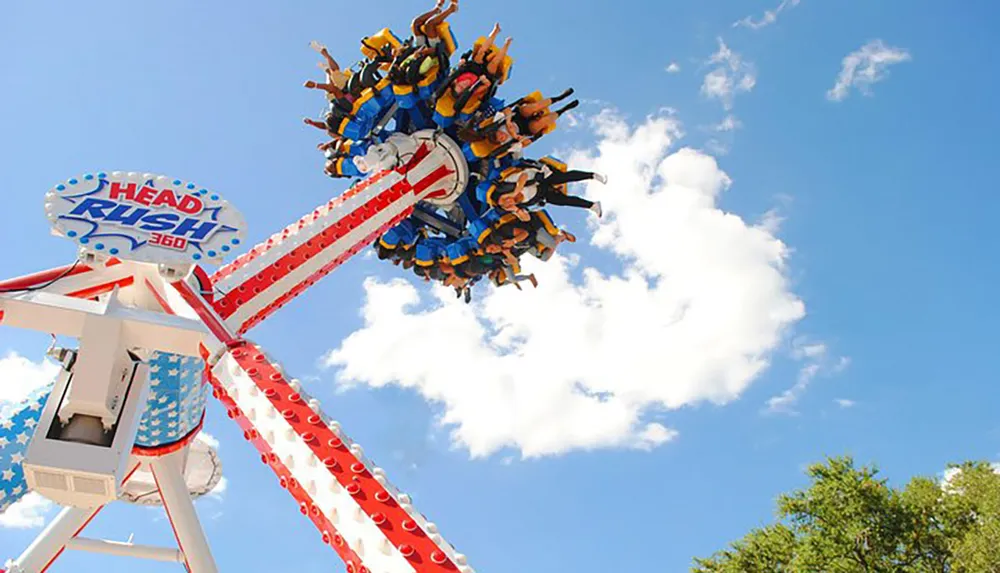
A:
(157, 332)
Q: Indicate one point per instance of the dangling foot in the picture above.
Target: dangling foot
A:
(317, 46)
(569, 237)
(468, 295)
(310, 84)
(533, 280)
(568, 107)
(596, 209)
(562, 96)
(601, 178)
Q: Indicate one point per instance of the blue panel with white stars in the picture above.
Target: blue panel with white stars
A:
(175, 407)
(176, 399)
(17, 425)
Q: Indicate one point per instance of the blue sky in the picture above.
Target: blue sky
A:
(884, 200)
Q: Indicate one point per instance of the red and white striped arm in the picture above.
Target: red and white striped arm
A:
(276, 271)
(371, 525)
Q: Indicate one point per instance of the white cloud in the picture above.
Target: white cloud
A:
(949, 475)
(730, 76)
(729, 123)
(220, 488)
(20, 377)
(208, 439)
(771, 221)
(698, 305)
(769, 17)
(673, 68)
(816, 359)
(716, 147)
(865, 67)
(845, 403)
(29, 512)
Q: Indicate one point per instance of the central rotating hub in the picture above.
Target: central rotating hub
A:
(445, 152)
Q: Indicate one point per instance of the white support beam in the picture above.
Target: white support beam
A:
(168, 472)
(63, 315)
(126, 550)
(50, 544)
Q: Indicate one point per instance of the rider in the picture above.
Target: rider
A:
(426, 26)
(548, 188)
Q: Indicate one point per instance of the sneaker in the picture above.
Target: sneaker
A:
(361, 163)
(600, 177)
(596, 209)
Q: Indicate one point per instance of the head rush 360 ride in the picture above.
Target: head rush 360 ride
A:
(438, 191)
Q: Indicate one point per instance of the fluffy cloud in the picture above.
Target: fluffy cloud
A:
(220, 488)
(208, 439)
(816, 360)
(865, 67)
(673, 68)
(949, 475)
(594, 357)
(19, 377)
(731, 75)
(769, 17)
(28, 513)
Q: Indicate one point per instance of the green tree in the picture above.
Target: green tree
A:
(978, 484)
(850, 521)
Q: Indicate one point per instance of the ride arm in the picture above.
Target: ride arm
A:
(258, 283)
(371, 525)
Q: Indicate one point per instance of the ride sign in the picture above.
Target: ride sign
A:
(144, 218)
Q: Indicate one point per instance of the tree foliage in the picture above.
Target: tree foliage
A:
(850, 521)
